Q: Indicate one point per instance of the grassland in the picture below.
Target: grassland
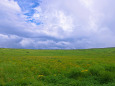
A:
(88, 67)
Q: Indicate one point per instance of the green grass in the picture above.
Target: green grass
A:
(87, 67)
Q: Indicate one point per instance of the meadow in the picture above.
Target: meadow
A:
(82, 67)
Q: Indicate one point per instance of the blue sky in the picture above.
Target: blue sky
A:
(57, 24)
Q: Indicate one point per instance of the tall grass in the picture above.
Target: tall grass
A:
(90, 67)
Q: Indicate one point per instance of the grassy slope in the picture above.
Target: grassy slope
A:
(89, 67)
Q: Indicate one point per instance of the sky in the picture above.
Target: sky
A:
(57, 24)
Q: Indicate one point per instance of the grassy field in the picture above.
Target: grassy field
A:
(87, 67)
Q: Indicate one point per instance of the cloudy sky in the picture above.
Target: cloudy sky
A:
(57, 24)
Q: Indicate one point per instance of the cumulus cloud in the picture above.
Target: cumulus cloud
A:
(57, 24)
(85, 22)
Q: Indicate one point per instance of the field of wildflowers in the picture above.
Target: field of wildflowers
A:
(87, 67)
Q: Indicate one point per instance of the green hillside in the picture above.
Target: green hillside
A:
(83, 67)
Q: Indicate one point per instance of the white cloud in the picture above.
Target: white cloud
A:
(64, 24)
(10, 4)
(26, 42)
(3, 36)
(9, 41)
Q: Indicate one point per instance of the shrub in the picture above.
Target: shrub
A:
(106, 77)
(75, 73)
